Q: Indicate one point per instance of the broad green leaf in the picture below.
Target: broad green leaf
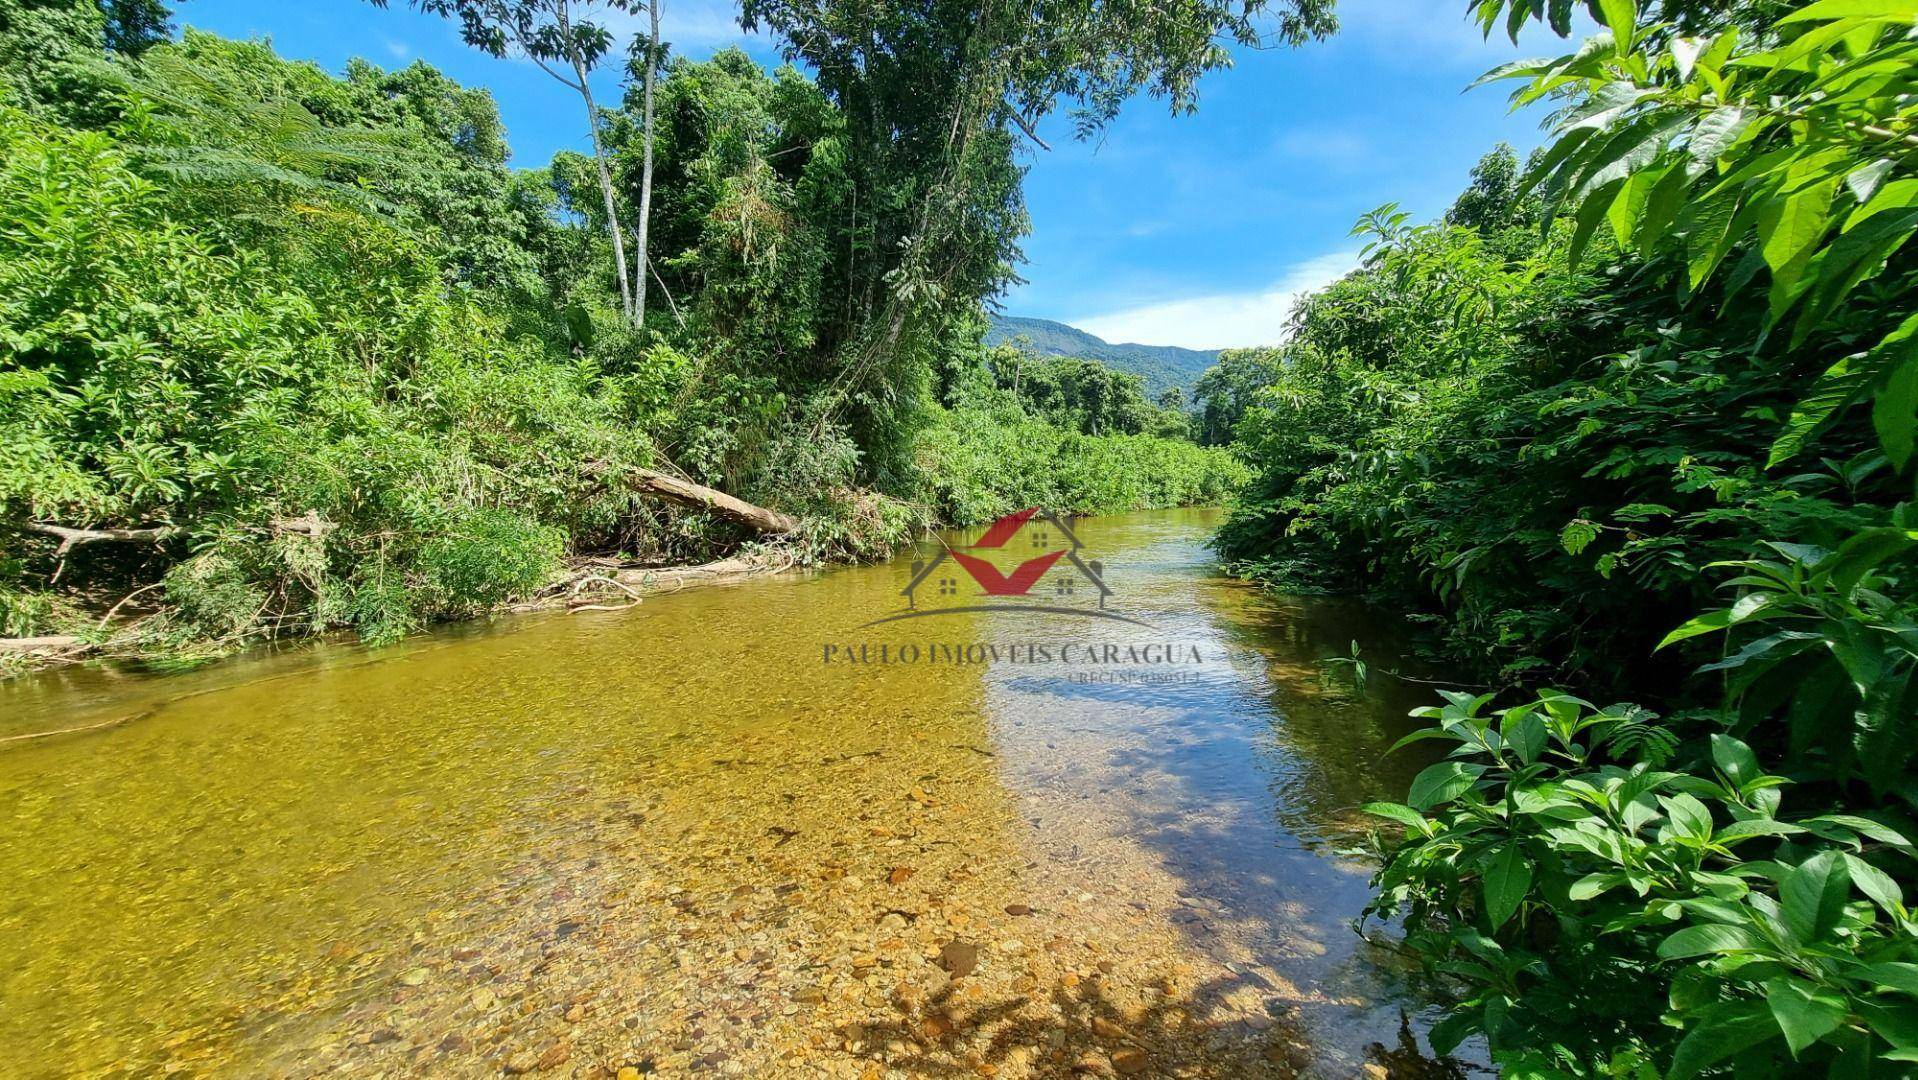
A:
(1857, 253)
(1866, 827)
(1661, 208)
(1726, 1031)
(1826, 10)
(1789, 228)
(1812, 897)
(1689, 816)
(1621, 18)
(1876, 884)
(1441, 783)
(1710, 939)
(1900, 977)
(1595, 883)
(1804, 1013)
(1525, 734)
(1900, 194)
(1506, 882)
(1560, 17)
(1400, 813)
(1421, 735)
(1752, 605)
(1710, 226)
(1734, 759)
(1891, 1019)
(1594, 210)
(1710, 622)
(1750, 827)
(1715, 133)
(1894, 413)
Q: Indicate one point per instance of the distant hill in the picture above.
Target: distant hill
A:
(1162, 365)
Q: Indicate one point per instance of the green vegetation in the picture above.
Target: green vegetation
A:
(282, 351)
(1068, 433)
(1164, 367)
(1666, 368)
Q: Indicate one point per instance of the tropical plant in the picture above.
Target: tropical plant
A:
(1554, 871)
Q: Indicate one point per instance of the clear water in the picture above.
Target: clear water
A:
(672, 837)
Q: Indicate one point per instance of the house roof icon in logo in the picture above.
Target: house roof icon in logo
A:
(1021, 580)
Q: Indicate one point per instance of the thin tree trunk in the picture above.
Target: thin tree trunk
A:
(643, 257)
(612, 213)
(585, 88)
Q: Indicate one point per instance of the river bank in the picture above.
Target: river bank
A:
(671, 839)
(588, 585)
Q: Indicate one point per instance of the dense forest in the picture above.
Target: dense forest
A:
(1634, 423)
(283, 351)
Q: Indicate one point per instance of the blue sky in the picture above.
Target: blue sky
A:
(1196, 230)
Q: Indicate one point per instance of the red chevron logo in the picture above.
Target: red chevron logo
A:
(1017, 583)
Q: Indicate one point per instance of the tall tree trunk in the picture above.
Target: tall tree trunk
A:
(612, 211)
(642, 258)
(585, 89)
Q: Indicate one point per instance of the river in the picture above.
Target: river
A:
(677, 838)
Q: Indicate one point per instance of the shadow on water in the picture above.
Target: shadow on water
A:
(1169, 1036)
(1235, 784)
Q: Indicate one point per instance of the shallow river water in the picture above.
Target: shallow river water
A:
(678, 839)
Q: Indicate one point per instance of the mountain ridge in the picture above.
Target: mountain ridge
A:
(1162, 366)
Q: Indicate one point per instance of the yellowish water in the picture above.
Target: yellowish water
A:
(675, 838)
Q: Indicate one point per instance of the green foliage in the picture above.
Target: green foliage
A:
(1548, 457)
(1164, 367)
(1829, 645)
(50, 55)
(1788, 146)
(362, 375)
(983, 459)
(1084, 395)
(1230, 387)
(486, 556)
(1555, 871)
(1556, 438)
(154, 376)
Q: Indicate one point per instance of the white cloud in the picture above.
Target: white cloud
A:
(1223, 320)
(399, 49)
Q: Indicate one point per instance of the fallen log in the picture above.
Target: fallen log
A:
(687, 493)
(309, 524)
(594, 576)
(678, 577)
(49, 643)
(71, 538)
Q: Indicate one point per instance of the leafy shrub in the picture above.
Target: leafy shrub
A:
(982, 462)
(1564, 497)
(486, 556)
(213, 596)
(1828, 647)
(1555, 874)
